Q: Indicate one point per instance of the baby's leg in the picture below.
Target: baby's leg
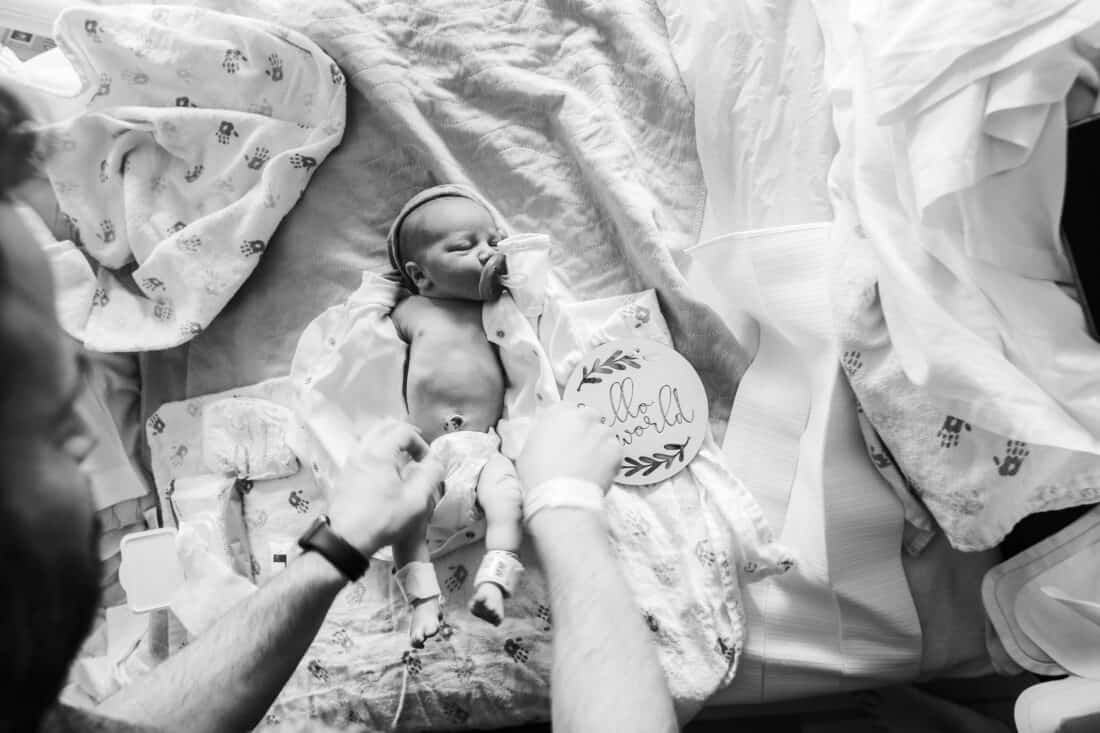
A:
(498, 492)
(426, 611)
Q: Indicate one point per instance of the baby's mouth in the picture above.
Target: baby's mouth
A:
(491, 285)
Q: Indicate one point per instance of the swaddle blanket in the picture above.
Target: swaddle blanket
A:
(684, 543)
(975, 373)
(200, 132)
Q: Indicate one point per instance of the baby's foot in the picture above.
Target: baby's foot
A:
(425, 621)
(488, 603)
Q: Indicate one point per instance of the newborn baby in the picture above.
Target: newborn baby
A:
(443, 244)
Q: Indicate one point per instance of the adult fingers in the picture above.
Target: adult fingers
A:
(424, 477)
(392, 439)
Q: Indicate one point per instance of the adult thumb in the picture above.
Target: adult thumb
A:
(424, 478)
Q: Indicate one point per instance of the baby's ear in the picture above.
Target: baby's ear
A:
(417, 275)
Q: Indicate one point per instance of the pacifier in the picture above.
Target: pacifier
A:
(491, 284)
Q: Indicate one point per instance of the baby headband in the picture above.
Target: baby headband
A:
(393, 244)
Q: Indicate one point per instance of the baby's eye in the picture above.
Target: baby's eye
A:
(461, 245)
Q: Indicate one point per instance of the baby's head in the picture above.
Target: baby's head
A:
(445, 246)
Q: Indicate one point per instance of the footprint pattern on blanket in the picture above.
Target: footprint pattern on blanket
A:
(100, 299)
(186, 101)
(137, 78)
(259, 156)
(704, 554)
(666, 573)
(163, 310)
(190, 244)
(543, 614)
(299, 502)
(233, 60)
(226, 131)
(152, 284)
(192, 174)
(274, 68)
(951, 431)
(256, 520)
(341, 638)
(1016, 451)
(412, 662)
(515, 649)
(190, 329)
(458, 576)
(104, 87)
(727, 649)
(93, 29)
(253, 247)
(303, 161)
(464, 669)
(318, 671)
(880, 458)
(852, 362)
(106, 233)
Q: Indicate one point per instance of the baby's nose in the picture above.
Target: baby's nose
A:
(484, 253)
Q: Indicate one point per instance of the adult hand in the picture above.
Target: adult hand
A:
(569, 442)
(386, 486)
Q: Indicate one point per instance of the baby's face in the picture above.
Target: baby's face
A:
(448, 244)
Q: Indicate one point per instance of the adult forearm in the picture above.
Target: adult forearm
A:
(606, 676)
(226, 680)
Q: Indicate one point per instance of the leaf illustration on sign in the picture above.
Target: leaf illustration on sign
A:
(617, 361)
(649, 464)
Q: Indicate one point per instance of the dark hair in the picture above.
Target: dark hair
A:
(17, 142)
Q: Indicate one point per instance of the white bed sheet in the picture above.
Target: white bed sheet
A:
(857, 614)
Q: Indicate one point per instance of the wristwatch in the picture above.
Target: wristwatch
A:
(334, 548)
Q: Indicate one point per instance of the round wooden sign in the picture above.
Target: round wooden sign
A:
(653, 400)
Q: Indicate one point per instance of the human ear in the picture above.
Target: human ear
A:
(417, 275)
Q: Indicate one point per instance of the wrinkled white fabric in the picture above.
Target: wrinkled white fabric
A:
(199, 133)
(918, 53)
(969, 361)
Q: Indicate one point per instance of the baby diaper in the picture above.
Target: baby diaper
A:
(457, 519)
(247, 438)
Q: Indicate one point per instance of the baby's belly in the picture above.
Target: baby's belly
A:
(448, 395)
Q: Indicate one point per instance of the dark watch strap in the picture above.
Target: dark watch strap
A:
(334, 548)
